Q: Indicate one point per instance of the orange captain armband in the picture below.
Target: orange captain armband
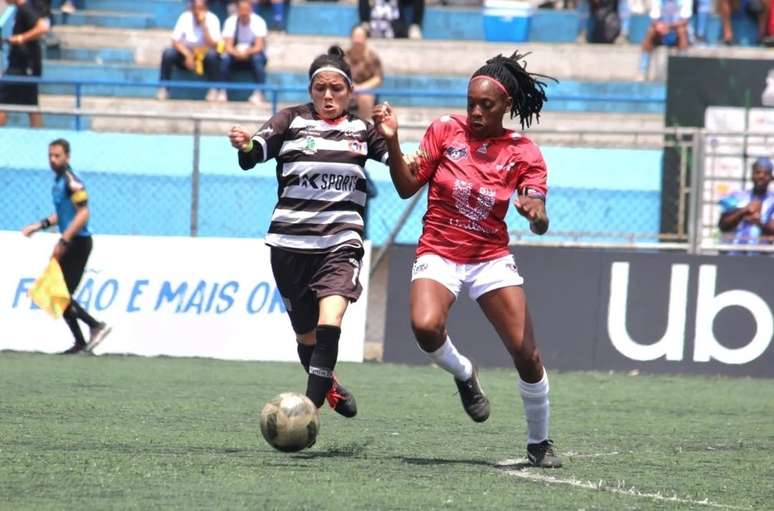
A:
(79, 197)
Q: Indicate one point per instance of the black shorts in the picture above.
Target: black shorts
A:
(73, 262)
(18, 93)
(302, 279)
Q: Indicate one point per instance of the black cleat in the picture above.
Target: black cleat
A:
(543, 455)
(473, 398)
(74, 349)
(341, 400)
(98, 334)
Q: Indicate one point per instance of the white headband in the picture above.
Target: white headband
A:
(333, 70)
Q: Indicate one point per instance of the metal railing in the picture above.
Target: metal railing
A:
(687, 236)
(274, 91)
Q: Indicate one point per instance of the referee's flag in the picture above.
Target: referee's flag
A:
(50, 292)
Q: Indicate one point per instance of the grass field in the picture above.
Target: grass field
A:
(126, 432)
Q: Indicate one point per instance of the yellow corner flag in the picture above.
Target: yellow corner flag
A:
(50, 292)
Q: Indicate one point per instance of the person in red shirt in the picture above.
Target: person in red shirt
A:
(474, 167)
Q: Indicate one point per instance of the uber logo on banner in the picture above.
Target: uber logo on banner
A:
(706, 346)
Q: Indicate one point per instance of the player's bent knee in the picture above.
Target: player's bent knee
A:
(429, 330)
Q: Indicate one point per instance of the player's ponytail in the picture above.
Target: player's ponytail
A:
(526, 89)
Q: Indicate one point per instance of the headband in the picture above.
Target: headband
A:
(333, 70)
(494, 81)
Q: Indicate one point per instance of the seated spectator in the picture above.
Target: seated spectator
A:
(748, 215)
(669, 26)
(392, 18)
(244, 37)
(25, 59)
(756, 9)
(194, 42)
(366, 72)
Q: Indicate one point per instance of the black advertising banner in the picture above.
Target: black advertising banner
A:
(617, 310)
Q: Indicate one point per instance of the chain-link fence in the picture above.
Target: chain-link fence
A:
(637, 189)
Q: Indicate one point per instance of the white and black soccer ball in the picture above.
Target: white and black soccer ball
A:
(290, 422)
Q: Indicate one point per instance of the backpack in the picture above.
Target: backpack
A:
(606, 23)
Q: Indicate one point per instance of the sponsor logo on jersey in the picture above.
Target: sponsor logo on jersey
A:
(358, 147)
(456, 153)
(505, 167)
(329, 182)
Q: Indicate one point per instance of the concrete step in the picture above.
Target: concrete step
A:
(95, 55)
(568, 95)
(399, 56)
(100, 18)
(414, 121)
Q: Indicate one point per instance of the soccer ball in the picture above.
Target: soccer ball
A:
(290, 422)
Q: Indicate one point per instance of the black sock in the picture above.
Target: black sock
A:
(322, 363)
(84, 316)
(71, 319)
(305, 355)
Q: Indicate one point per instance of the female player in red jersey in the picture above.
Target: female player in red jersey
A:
(474, 166)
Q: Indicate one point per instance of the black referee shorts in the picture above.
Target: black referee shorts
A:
(73, 262)
(18, 93)
(302, 279)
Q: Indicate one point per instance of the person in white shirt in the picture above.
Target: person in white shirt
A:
(669, 21)
(194, 42)
(244, 37)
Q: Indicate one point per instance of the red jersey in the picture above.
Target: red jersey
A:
(472, 182)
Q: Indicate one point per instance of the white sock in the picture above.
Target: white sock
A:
(452, 360)
(536, 409)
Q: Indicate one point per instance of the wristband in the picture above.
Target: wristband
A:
(247, 148)
(45, 224)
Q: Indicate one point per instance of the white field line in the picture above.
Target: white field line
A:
(619, 488)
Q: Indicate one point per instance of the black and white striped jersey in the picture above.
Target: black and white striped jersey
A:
(321, 176)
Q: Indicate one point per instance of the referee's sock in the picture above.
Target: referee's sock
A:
(84, 316)
(71, 318)
(322, 363)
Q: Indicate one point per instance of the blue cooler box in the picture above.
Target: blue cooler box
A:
(506, 20)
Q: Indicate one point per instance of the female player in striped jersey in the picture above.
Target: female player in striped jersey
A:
(474, 166)
(316, 231)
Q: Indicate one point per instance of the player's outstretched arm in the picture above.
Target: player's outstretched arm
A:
(534, 210)
(249, 153)
(404, 179)
(41, 225)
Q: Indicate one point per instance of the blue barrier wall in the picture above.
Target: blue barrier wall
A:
(140, 184)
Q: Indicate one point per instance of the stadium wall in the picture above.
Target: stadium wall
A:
(141, 185)
(185, 297)
(617, 310)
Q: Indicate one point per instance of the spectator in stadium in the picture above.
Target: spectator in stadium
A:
(71, 216)
(244, 37)
(756, 9)
(747, 216)
(392, 18)
(195, 40)
(367, 72)
(473, 166)
(25, 59)
(669, 26)
(316, 231)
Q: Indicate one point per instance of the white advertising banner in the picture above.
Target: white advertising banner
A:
(182, 297)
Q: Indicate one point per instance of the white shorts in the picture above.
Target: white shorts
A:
(480, 277)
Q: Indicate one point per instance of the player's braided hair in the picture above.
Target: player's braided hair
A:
(335, 58)
(526, 89)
